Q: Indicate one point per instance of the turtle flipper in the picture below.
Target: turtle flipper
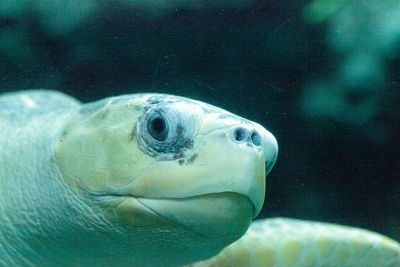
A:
(282, 242)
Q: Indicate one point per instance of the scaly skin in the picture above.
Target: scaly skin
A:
(282, 242)
(33, 198)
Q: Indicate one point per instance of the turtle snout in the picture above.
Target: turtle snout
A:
(260, 138)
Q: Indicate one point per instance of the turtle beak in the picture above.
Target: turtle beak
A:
(270, 147)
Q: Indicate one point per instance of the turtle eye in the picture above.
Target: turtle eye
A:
(165, 132)
(157, 128)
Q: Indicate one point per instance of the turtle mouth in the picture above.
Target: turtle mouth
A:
(214, 215)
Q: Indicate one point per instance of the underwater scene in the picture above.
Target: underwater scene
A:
(169, 169)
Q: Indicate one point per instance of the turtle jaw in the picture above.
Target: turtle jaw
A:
(206, 215)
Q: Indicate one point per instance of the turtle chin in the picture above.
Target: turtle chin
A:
(223, 217)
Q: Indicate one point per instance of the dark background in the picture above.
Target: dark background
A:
(323, 77)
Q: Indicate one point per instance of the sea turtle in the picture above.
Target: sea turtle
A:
(151, 180)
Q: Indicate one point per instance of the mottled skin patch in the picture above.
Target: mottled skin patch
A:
(104, 114)
(132, 136)
(189, 160)
(192, 158)
(154, 100)
(179, 129)
(64, 133)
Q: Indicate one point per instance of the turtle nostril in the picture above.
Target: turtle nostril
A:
(256, 138)
(240, 134)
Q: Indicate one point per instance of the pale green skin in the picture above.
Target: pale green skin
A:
(49, 218)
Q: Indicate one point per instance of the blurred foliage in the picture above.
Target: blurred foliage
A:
(323, 76)
(364, 37)
(318, 11)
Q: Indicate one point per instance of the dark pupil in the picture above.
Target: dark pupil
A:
(157, 129)
(158, 125)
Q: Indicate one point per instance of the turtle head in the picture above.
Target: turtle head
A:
(167, 170)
